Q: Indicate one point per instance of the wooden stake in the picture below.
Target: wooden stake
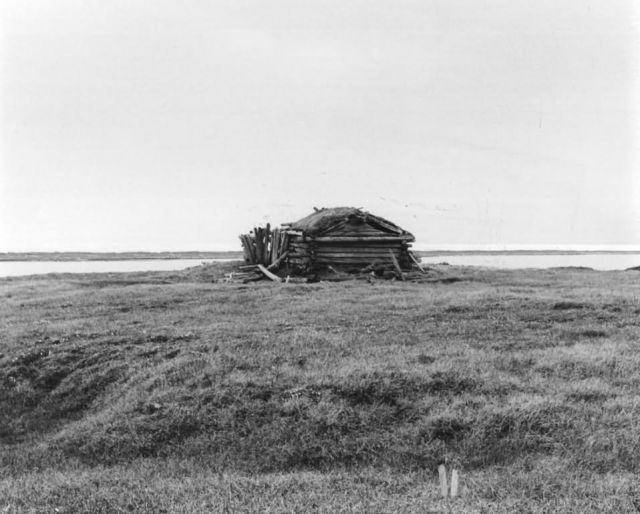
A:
(442, 472)
(454, 483)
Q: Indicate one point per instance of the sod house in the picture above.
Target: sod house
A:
(346, 238)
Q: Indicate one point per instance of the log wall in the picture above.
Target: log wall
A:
(346, 251)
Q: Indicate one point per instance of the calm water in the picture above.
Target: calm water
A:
(595, 261)
(609, 261)
(17, 268)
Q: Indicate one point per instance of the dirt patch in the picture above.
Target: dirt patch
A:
(565, 306)
(447, 429)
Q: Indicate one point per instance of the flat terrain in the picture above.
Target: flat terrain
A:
(175, 392)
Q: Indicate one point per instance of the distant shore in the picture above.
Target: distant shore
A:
(431, 253)
(127, 256)
(115, 256)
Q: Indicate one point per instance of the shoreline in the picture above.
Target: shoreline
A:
(198, 255)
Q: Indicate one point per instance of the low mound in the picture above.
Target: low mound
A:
(116, 400)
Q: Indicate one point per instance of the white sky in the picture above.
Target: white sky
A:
(176, 125)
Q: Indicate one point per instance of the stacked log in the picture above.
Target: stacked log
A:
(352, 251)
(346, 251)
(263, 246)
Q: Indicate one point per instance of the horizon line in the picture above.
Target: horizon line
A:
(416, 247)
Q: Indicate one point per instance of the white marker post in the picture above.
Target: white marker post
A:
(442, 472)
(454, 483)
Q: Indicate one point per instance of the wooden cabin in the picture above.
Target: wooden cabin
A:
(346, 238)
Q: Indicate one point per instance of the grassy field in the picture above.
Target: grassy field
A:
(175, 392)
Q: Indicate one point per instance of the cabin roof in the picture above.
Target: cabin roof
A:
(323, 220)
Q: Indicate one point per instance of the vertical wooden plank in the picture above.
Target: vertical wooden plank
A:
(247, 247)
(271, 250)
(454, 483)
(252, 248)
(275, 245)
(257, 232)
(284, 247)
(245, 250)
(278, 245)
(267, 238)
(442, 473)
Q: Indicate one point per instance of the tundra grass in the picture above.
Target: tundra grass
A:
(177, 392)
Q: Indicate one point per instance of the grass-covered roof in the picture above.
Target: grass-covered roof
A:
(324, 219)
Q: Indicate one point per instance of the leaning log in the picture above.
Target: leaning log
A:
(396, 265)
(268, 274)
(275, 263)
(413, 258)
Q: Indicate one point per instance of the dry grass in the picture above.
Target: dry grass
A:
(167, 391)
